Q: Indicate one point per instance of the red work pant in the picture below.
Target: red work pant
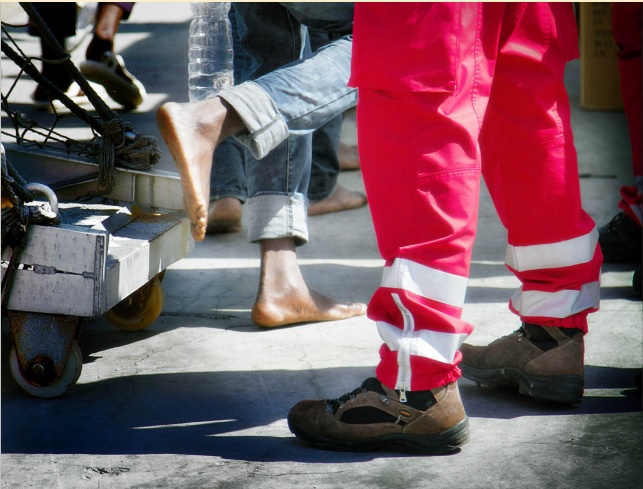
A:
(627, 20)
(504, 114)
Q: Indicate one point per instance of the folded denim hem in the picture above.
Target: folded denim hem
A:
(266, 127)
(240, 196)
(272, 216)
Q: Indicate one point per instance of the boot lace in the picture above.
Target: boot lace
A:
(371, 384)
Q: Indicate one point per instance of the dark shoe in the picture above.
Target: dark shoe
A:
(372, 417)
(42, 101)
(120, 84)
(621, 240)
(544, 363)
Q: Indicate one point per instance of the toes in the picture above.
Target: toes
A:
(198, 232)
(360, 308)
(355, 309)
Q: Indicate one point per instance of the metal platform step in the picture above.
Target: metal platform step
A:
(100, 254)
(71, 176)
(80, 268)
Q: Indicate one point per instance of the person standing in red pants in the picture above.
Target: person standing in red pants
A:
(448, 92)
(621, 238)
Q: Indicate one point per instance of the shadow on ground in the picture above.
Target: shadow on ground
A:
(216, 413)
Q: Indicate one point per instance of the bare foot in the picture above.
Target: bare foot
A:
(192, 132)
(301, 306)
(284, 298)
(224, 216)
(348, 157)
(340, 200)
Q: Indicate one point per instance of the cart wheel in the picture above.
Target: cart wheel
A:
(70, 375)
(140, 309)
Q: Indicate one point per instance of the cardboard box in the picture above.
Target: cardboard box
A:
(599, 76)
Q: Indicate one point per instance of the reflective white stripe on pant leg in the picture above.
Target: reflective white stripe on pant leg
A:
(425, 281)
(561, 304)
(435, 345)
(553, 255)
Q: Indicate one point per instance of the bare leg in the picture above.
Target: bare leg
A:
(108, 21)
(192, 131)
(224, 216)
(284, 298)
(340, 200)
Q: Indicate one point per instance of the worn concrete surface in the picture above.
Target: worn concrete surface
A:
(199, 399)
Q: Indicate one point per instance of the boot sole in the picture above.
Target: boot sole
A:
(439, 443)
(129, 93)
(566, 389)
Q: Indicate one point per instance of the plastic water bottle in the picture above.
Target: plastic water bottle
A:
(210, 50)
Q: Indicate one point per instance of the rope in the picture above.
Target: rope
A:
(119, 144)
(139, 153)
(107, 166)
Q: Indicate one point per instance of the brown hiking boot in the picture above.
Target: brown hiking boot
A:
(542, 362)
(372, 417)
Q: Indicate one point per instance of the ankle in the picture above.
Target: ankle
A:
(232, 122)
(548, 337)
(97, 47)
(420, 400)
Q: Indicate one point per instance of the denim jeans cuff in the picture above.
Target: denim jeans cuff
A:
(266, 127)
(240, 196)
(273, 216)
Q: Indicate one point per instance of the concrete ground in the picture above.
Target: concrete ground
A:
(199, 398)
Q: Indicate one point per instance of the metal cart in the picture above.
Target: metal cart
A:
(103, 259)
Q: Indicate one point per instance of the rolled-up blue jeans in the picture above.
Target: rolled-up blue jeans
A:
(282, 107)
(325, 165)
(228, 176)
